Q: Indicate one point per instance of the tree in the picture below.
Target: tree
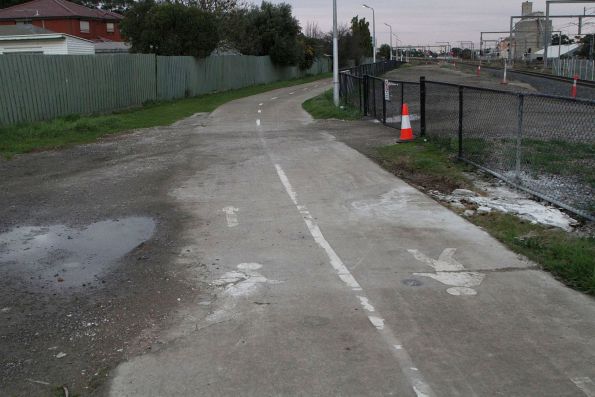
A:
(361, 45)
(456, 52)
(565, 39)
(466, 54)
(170, 29)
(384, 51)
(307, 53)
(216, 6)
(313, 31)
(587, 49)
(269, 29)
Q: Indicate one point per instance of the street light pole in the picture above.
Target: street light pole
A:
(373, 30)
(391, 41)
(335, 56)
(397, 41)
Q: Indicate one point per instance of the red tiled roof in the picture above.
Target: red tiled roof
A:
(43, 9)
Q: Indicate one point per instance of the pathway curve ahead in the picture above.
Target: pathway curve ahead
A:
(333, 277)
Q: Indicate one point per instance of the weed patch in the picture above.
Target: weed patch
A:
(568, 257)
(322, 107)
(424, 164)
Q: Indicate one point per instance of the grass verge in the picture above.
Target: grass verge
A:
(568, 256)
(322, 107)
(72, 130)
(424, 164)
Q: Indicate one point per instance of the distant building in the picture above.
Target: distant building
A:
(529, 31)
(557, 51)
(61, 16)
(29, 39)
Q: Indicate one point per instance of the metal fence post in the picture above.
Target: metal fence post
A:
(461, 90)
(384, 87)
(422, 100)
(519, 140)
(374, 95)
(359, 93)
(402, 97)
(366, 94)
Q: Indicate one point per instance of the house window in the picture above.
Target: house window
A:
(84, 26)
(110, 27)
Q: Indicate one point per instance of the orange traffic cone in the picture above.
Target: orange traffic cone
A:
(406, 130)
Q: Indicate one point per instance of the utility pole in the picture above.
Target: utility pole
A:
(391, 41)
(373, 29)
(335, 56)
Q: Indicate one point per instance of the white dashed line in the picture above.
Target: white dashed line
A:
(377, 322)
(365, 304)
(260, 104)
(291, 93)
(259, 111)
(258, 122)
(273, 98)
(419, 385)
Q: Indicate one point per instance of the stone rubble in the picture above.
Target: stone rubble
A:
(496, 196)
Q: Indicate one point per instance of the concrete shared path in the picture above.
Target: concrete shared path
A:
(331, 277)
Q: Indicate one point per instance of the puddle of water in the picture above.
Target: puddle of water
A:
(77, 256)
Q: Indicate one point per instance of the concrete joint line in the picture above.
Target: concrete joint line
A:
(412, 373)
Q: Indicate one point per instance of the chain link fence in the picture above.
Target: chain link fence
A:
(372, 69)
(542, 144)
(583, 68)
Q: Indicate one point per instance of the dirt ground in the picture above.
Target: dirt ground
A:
(464, 76)
(69, 326)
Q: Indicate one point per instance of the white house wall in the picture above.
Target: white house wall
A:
(48, 47)
(67, 46)
(79, 47)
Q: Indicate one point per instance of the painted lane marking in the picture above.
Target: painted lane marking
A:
(366, 304)
(259, 111)
(585, 384)
(274, 98)
(336, 262)
(377, 322)
(260, 104)
(258, 122)
(291, 93)
(450, 272)
(415, 378)
(231, 216)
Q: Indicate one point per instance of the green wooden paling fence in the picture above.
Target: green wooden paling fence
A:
(42, 87)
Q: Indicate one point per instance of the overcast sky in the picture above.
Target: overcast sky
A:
(427, 21)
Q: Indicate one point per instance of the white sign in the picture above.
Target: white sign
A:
(387, 90)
